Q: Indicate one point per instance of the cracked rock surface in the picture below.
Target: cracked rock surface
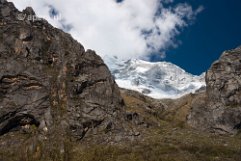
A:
(219, 108)
(49, 81)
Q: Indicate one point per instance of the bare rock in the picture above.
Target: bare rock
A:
(2, 1)
(29, 11)
(224, 79)
(219, 109)
(49, 81)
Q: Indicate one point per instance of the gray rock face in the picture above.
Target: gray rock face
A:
(219, 109)
(224, 79)
(48, 80)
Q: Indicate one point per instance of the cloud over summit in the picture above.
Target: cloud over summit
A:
(127, 29)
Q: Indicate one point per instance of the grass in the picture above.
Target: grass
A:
(166, 145)
(171, 140)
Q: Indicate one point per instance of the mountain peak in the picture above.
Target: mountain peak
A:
(154, 79)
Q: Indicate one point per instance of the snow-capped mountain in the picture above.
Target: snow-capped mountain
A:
(157, 80)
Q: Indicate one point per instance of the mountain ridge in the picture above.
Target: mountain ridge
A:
(155, 79)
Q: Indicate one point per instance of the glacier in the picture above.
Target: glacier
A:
(158, 80)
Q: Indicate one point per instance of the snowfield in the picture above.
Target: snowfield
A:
(155, 79)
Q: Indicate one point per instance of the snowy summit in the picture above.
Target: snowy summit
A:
(155, 79)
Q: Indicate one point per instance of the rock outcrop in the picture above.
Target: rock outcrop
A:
(48, 81)
(219, 108)
(224, 79)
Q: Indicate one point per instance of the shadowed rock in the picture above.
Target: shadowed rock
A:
(46, 74)
(219, 109)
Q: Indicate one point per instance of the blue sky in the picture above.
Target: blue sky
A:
(216, 28)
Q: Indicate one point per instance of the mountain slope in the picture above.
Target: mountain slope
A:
(157, 80)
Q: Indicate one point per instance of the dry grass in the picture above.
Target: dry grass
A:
(167, 144)
(169, 141)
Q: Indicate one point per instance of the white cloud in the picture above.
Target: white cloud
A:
(128, 29)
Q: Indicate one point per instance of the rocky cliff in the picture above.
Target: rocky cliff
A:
(50, 83)
(219, 108)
